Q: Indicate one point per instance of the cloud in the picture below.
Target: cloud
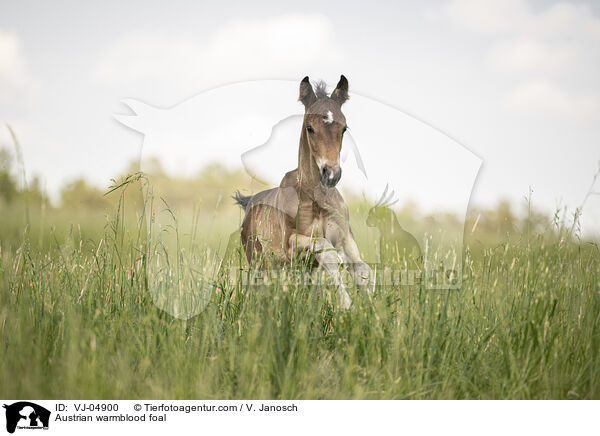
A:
(488, 16)
(543, 97)
(566, 20)
(15, 80)
(547, 52)
(530, 55)
(241, 50)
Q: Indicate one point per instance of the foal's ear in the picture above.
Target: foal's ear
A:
(340, 93)
(307, 95)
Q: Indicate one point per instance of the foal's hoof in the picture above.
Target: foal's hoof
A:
(346, 302)
(344, 298)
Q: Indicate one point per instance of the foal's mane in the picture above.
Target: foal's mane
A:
(321, 89)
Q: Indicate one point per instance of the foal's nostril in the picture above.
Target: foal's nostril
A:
(330, 175)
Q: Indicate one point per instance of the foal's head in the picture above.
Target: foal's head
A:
(324, 126)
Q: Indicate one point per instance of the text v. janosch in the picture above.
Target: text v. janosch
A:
(149, 407)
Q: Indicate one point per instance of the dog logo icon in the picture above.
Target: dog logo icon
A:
(26, 415)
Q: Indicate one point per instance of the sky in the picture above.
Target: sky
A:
(515, 82)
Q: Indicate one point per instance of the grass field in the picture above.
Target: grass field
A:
(77, 321)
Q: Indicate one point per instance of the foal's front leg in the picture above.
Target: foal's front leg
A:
(363, 275)
(328, 258)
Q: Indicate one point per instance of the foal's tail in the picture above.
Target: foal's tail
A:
(242, 200)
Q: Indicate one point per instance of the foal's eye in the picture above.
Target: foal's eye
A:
(309, 129)
(344, 129)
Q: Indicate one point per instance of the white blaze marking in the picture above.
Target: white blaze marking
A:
(329, 118)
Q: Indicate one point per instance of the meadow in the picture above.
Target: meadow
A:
(78, 320)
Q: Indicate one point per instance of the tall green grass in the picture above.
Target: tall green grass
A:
(78, 320)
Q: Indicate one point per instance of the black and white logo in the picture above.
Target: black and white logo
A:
(26, 415)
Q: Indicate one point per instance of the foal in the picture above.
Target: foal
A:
(306, 211)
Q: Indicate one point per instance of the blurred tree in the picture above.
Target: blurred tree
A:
(8, 185)
(504, 218)
(80, 195)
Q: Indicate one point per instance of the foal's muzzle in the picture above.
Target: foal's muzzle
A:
(330, 175)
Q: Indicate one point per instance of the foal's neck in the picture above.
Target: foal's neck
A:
(308, 171)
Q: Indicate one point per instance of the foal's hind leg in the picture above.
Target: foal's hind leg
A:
(328, 258)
